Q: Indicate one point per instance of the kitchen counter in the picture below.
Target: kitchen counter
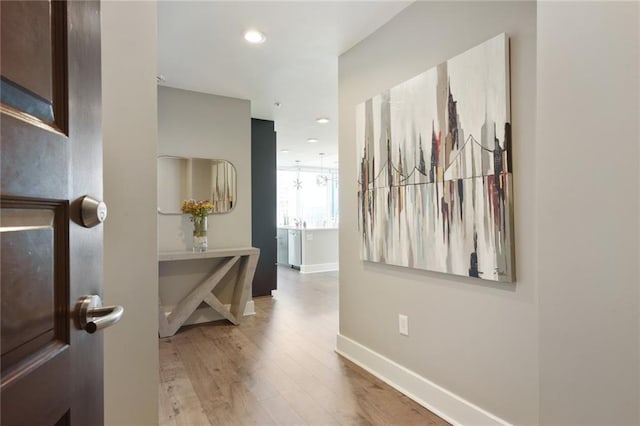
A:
(309, 228)
(308, 249)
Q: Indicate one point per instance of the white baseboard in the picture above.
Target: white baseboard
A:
(446, 404)
(206, 314)
(319, 267)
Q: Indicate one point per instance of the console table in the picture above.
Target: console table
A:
(248, 259)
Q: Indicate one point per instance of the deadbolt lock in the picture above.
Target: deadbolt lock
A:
(93, 212)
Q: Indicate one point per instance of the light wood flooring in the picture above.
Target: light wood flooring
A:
(277, 367)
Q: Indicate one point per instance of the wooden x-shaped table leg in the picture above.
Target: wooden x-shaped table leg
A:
(168, 326)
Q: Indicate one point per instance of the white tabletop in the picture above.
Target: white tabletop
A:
(166, 256)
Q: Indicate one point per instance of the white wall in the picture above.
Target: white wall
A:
(192, 124)
(474, 338)
(561, 346)
(129, 56)
(587, 210)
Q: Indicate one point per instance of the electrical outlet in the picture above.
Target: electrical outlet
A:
(403, 324)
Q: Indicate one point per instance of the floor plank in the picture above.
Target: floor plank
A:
(280, 410)
(278, 367)
(179, 403)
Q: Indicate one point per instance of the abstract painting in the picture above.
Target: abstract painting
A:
(434, 168)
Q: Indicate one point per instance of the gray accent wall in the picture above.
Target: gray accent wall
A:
(201, 125)
(193, 124)
(560, 346)
(264, 199)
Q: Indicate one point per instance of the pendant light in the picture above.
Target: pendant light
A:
(322, 179)
(297, 183)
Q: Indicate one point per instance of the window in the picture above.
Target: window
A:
(308, 198)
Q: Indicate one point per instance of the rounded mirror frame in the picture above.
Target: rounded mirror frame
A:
(184, 178)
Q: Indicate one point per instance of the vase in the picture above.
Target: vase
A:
(200, 242)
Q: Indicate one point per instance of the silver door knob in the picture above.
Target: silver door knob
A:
(91, 316)
(93, 212)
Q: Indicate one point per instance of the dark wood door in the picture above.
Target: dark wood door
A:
(51, 372)
(263, 205)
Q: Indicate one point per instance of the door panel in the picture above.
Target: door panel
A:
(39, 395)
(35, 281)
(51, 157)
(34, 63)
(26, 46)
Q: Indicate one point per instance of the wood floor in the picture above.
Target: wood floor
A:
(277, 367)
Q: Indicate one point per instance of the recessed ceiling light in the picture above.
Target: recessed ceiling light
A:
(255, 37)
(312, 140)
(322, 120)
(284, 151)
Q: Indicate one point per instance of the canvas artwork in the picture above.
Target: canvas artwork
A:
(434, 168)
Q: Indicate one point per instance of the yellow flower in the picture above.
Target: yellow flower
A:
(197, 208)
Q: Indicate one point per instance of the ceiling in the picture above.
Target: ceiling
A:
(201, 48)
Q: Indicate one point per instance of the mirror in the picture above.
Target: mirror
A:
(195, 178)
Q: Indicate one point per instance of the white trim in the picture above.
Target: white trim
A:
(319, 267)
(446, 404)
(206, 314)
(250, 308)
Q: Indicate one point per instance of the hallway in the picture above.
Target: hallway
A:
(277, 367)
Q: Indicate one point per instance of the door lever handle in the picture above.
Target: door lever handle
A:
(91, 316)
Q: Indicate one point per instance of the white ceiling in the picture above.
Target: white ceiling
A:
(201, 48)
